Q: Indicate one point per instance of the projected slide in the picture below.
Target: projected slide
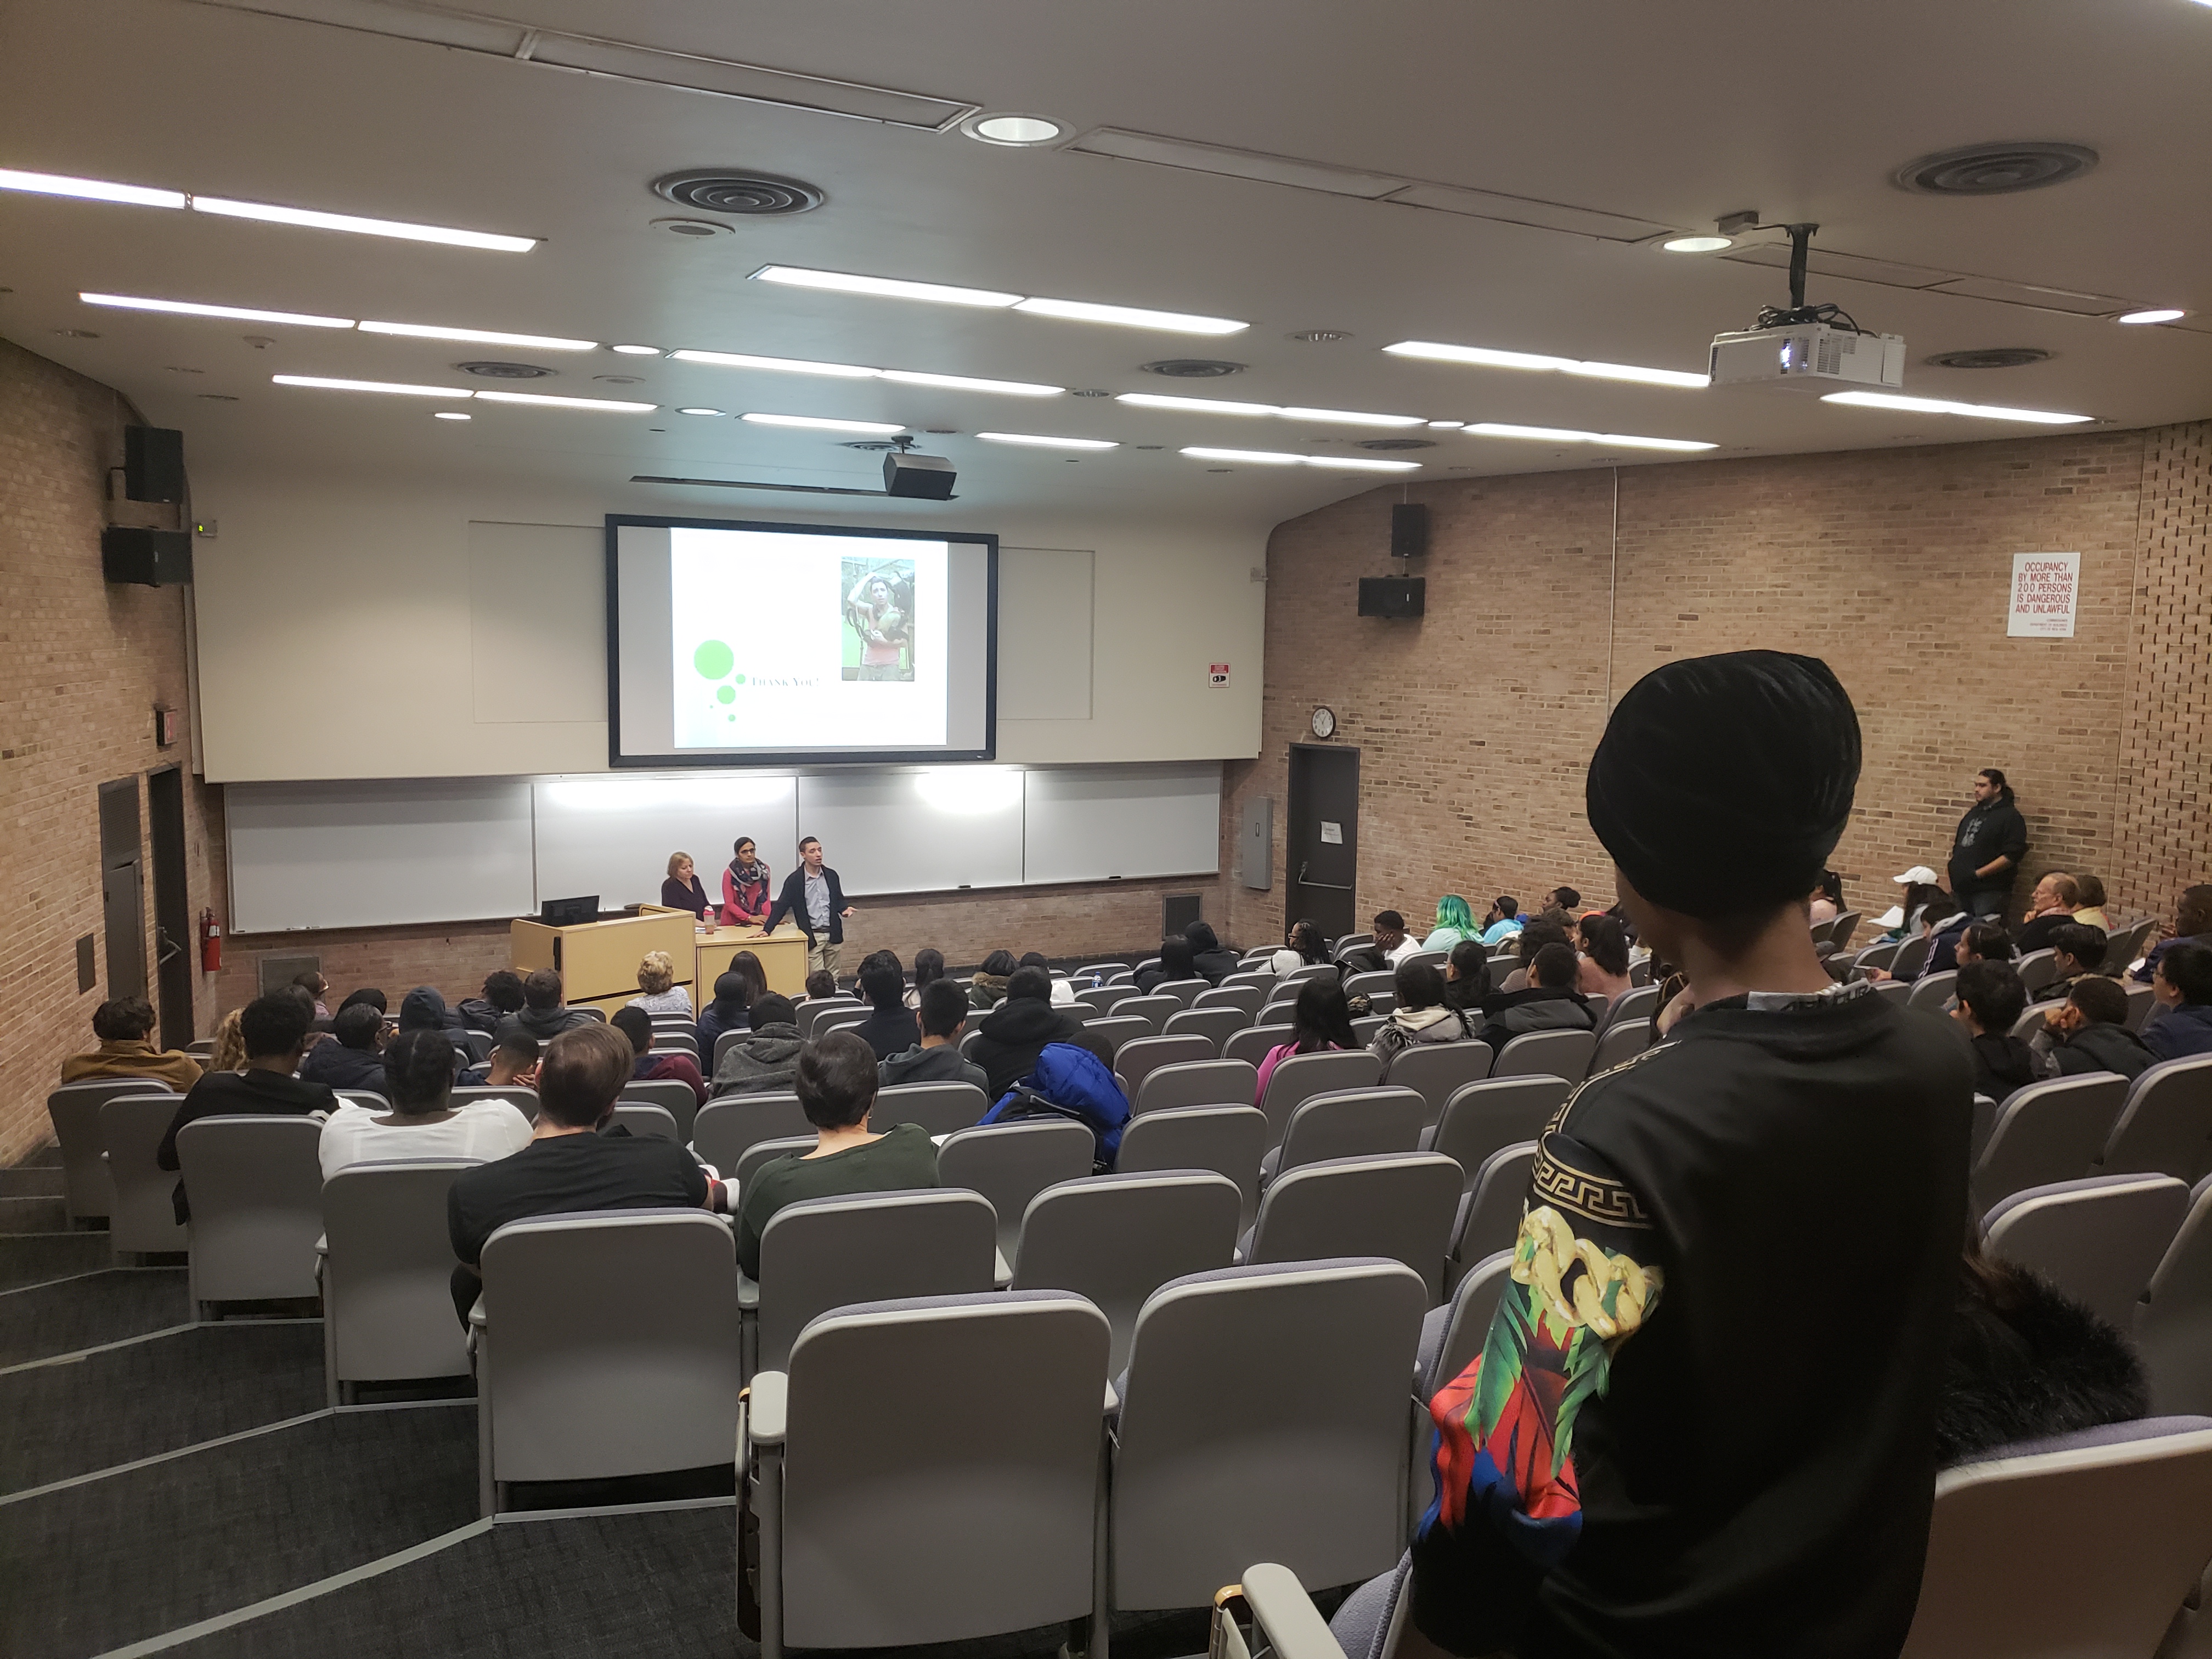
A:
(740, 640)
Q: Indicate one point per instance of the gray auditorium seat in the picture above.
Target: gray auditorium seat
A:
(758, 1156)
(2036, 969)
(1299, 1077)
(1489, 1216)
(1010, 1164)
(1435, 1070)
(1399, 1206)
(1348, 1123)
(939, 1108)
(1135, 1059)
(2046, 1132)
(1196, 1083)
(256, 1185)
(1546, 1053)
(813, 1012)
(1216, 1025)
(1251, 1044)
(1115, 1030)
(1637, 1002)
(2098, 1239)
(1152, 1010)
(143, 1219)
(1482, 1117)
(673, 1094)
(1227, 1139)
(73, 1109)
(1184, 991)
(727, 1124)
(1246, 999)
(2166, 1122)
(1623, 1040)
(386, 1261)
(2173, 1322)
(642, 1118)
(524, 1101)
(723, 1043)
(1932, 991)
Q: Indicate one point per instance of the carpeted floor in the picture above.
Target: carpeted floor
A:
(35, 1258)
(83, 1312)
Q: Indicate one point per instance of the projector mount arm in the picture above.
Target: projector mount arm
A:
(1798, 312)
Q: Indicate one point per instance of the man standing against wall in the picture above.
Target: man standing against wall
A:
(1986, 852)
(815, 898)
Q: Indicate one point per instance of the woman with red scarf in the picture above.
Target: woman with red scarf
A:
(746, 895)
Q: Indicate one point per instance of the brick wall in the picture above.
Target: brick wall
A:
(1475, 724)
(82, 665)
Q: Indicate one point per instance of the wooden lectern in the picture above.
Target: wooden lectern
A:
(598, 961)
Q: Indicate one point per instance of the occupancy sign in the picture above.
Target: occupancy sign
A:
(2045, 587)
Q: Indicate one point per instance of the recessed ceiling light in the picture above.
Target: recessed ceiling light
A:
(637, 350)
(698, 230)
(1697, 244)
(1943, 406)
(450, 415)
(823, 423)
(609, 406)
(967, 383)
(361, 226)
(1015, 131)
(1352, 417)
(890, 288)
(1489, 357)
(2157, 314)
(89, 190)
(326, 384)
(482, 336)
(189, 309)
(1565, 435)
(698, 412)
(1258, 457)
(779, 365)
(1195, 405)
(1038, 441)
(1172, 322)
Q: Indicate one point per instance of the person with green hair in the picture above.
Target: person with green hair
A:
(1454, 922)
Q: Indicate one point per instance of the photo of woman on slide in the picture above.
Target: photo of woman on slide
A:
(878, 619)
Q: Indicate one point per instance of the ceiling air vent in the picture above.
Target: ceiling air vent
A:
(1396, 443)
(755, 195)
(1995, 169)
(1989, 357)
(496, 371)
(1193, 368)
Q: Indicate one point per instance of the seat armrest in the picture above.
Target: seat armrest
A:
(1001, 1274)
(477, 1318)
(1286, 1613)
(1113, 1401)
(766, 1397)
(748, 1292)
(322, 1244)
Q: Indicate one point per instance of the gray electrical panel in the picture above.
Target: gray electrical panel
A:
(1255, 843)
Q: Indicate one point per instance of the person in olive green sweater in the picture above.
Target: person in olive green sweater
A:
(836, 1085)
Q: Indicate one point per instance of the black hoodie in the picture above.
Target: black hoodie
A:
(1213, 963)
(1991, 828)
(1011, 1037)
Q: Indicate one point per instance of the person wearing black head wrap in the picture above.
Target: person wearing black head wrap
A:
(1704, 1420)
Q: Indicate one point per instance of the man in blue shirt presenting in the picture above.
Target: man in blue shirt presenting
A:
(814, 897)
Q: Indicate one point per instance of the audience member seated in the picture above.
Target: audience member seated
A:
(502, 995)
(1392, 946)
(1944, 942)
(935, 1057)
(2049, 908)
(1467, 978)
(1535, 934)
(274, 1031)
(1174, 963)
(889, 1027)
(928, 967)
(728, 1011)
(1983, 940)
(1602, 971)
(1503, 920)
(659, 993)
(566, 1166)
(1421, 1016)
(2077, 951)
(2181, 1023)
(1015, 1033)
(1562, 898)
(1903, 920)
(1213, 961)
(544, 1015)
(2092, 911)
(229, 1054)
(1454, 922)
(122, 1027)
(354, 1060)
(987, 987)
(1303, 947)
(763, 1062)
(1321, 1022)
(821, 987)
(1548, 1003)
(2088, 1032)
(1063, 991)
(2026, 1363)
(2193, 920)
(513, 1065)
(423, 1009)
(423, 1121)
(836, 1085)
(1828, 901)
(317, 988)
(1991, 998)
(633, 1023)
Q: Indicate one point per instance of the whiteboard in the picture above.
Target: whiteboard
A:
(1094, 823)
(612, 836)
(358, 855)
(924, 830)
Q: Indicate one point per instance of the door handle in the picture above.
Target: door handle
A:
(1327, 886)
(166, 950)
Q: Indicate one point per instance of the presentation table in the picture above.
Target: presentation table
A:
(598, 961)
(783, 958)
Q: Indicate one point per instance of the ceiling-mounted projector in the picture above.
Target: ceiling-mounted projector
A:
(1818, 347)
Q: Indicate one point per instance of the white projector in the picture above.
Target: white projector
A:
(1813, 355)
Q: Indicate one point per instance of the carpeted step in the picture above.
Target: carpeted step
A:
(37, 1214)
(32, 1180)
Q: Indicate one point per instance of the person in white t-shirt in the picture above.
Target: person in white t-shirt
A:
(423, 1123)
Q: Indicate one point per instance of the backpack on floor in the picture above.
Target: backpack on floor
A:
(1072, 1083)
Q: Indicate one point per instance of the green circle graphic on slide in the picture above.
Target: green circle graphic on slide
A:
(714, 658)
(724, 694)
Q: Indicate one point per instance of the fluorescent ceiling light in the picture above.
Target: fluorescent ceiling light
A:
(610, 404)
(1352, 417)
(1565, 435)
(90, 190)
(240, 313)
(1258, 457)
(1195, 405)
(967, 383)
(823, 423)
(2157, 314)
(890, 288)
(1037, 441)
(779, 365)
(480, 336)
(1172, 322)
(637, 350)
(1487, 357)
(1704, 243)
(284, 216)
(328, 384)
(1361, 463)
(1447, 425)
(1942, 407)
(698, 412)
(450, 415)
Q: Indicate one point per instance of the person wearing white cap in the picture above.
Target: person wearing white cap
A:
(1920, 883)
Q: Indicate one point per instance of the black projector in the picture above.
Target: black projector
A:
(930, 477)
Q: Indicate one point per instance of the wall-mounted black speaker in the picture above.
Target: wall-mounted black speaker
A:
(1396, 597)
(1409, 529)
(153, 464)
(151, 558)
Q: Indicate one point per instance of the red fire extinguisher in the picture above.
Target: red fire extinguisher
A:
(210, 943)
